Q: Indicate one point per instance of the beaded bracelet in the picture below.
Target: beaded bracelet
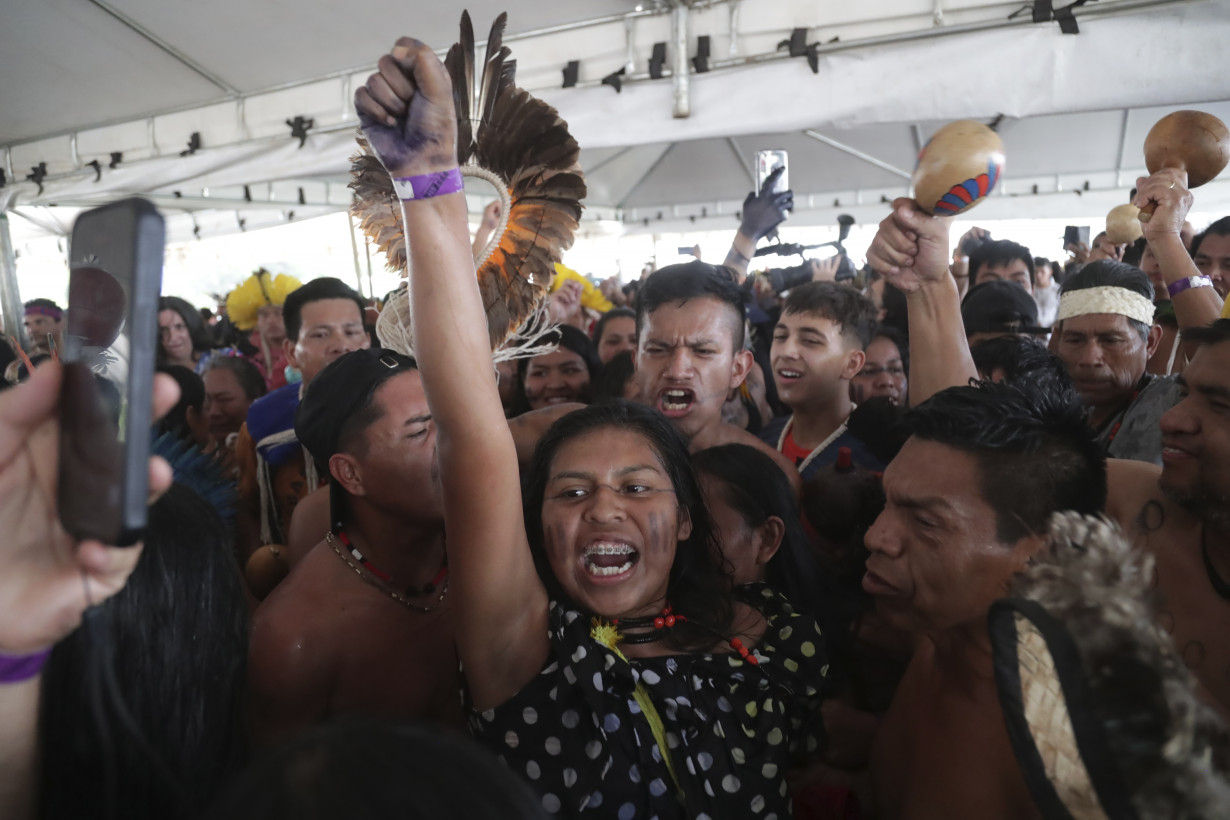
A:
(18, 668)
(1175, 288)
(425, 186)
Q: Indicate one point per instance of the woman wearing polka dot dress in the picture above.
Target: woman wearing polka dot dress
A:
(604, 657)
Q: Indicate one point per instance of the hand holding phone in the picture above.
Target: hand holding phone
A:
(50, 577)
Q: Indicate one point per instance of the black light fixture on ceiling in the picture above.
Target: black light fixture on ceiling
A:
(615, 80)
(37, 174)
(701, 61)
(194, 145)
(97, 166)
(657, 60)
(571, 72)
(299, 128)
(1060, 12)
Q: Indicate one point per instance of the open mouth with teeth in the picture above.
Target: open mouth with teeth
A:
(608, 559)
(676, 401)
(785, 374)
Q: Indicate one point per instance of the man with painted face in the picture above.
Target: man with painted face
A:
(43, 321)
(690, 353)
(324, 320)
(968, 501)
(329, 639)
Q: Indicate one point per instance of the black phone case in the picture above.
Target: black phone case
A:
(115, 263)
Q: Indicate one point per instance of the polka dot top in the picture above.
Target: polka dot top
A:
(579, 736)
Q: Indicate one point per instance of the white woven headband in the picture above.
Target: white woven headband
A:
(1105, 300)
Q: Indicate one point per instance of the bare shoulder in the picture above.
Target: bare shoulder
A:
(1130, 486)
(528, 428)
(298, 617)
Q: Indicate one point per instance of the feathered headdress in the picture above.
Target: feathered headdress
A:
(520, 145)
(258, 290)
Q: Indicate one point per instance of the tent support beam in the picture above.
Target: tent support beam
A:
(857, 154)
(1123, 132)
(10, 296)
(741, 161)
(645, 176)
(166, 47)
(681, 107)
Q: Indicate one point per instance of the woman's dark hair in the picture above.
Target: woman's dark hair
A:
(571, 339)
(613, 377)
(142, 706)
(755, 487)
(367, 770)
(191, 394)
(1020, 357)
(197, 331)
(698, 586)
(613, 313)
(250, 379)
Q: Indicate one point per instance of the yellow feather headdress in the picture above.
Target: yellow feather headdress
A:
(523, 148)
(260, 289)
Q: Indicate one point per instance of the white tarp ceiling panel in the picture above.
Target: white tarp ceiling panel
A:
(66, 63)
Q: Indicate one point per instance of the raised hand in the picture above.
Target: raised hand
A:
(49, 579)
(765, 209)
(407, 113)
(911, 248)
(1167, 190)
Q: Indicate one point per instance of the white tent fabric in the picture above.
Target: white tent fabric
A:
(1075, 110)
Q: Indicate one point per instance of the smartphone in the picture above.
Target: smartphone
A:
(1076, 235)
(110, 339)
(769, 161)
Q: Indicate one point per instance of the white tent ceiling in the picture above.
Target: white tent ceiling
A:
(82, 79)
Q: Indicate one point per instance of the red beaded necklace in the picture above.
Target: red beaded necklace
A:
(661, 622)
(427, 589)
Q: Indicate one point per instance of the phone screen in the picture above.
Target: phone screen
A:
(115, 265)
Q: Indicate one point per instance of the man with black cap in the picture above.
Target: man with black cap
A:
(362, 623)
(999, 307)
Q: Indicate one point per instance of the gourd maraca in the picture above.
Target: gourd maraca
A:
(958, 168)
(1191, 141)
(1123, 224)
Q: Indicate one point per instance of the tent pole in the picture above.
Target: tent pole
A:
(354, 249)
(680, 73)
(854, 152)
(10, 295)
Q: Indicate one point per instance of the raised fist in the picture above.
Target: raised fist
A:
(407, 113)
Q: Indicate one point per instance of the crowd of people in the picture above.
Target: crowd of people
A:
(726, 548)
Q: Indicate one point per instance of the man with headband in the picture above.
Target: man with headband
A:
(44, 324)
(1104, 331)
(362, 623)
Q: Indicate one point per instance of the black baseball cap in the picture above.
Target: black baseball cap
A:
(1000, 306)
(337, 393)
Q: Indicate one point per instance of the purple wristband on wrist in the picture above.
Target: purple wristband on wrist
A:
(1178, 287)
(18, 668)
(425, 186)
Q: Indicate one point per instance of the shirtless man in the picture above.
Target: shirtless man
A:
(362, 623)
(690, 354)
(1181, 513)
(969, 500)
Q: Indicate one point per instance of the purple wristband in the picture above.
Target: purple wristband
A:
(425, 186)
(18, 668)
(1178, 287)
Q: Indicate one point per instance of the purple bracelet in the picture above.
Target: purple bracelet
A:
(1178, 287)
(18, 668)
(425, 186)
